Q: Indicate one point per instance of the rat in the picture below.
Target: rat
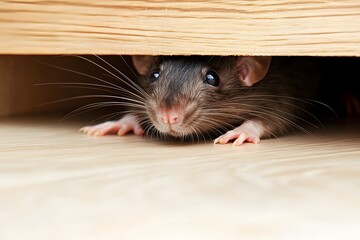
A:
(234, 98)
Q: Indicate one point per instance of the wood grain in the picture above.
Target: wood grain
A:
(56, 183)
(279, 27)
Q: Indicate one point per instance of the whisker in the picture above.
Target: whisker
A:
(311, 102)
(76, 83)
(91, 88)
(254, 113)
(132, 85)
(294, 106)
(109, 91)
(94, 87)
(271, 111)
(135, 74)
(117, 70)
(82, 74)
(109, 117)
(215, 125)
(86, 108)
(198, 132)
(91, 96)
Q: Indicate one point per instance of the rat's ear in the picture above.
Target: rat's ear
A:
(143, 63)
(252, 69)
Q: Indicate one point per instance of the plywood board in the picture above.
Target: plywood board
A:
(280, 27)
(56, 183)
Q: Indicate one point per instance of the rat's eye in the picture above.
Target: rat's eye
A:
(212, 78)
(154, 76)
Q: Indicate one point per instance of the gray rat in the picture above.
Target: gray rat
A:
(239, 98)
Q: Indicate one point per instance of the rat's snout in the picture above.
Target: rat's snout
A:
(170, 116)
(174, 120)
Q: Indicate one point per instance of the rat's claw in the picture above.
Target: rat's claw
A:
(121, 127)
(247, 132)
(230, 135)
(138, 130)
(246, 137)
(84, 129)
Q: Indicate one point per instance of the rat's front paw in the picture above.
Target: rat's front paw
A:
(126, 124)
(249, 131)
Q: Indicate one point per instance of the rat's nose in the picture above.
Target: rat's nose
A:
(169, 116)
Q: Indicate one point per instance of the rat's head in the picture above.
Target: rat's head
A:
(194, 95)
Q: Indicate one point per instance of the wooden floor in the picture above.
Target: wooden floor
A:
(56, 183)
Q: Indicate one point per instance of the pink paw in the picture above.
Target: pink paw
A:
(121, 127)
(249, 131)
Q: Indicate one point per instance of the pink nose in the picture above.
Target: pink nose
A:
(169, 116)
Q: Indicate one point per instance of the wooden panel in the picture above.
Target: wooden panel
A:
(279, 27)
(56, 183)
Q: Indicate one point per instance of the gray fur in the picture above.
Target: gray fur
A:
(279, 101)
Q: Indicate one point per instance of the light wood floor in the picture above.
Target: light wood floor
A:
(56, 183)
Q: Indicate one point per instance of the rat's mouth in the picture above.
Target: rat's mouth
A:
(175, 133)
(174, 130)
